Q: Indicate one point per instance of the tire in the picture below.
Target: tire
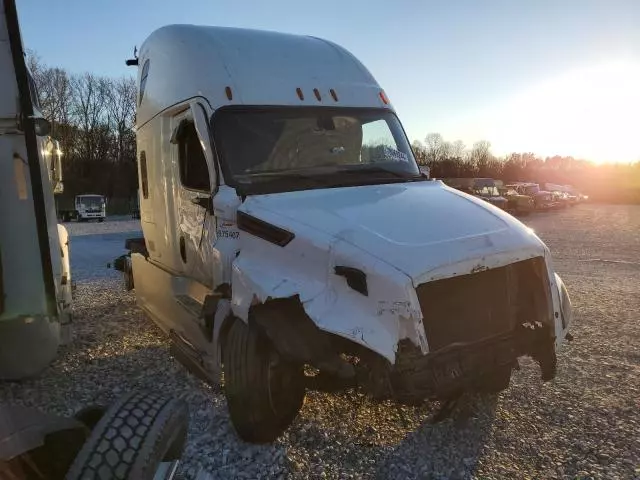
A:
(264, 392)
(496, 381)
(101, 219)
(133, 436)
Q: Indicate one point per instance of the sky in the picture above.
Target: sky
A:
(543, 76)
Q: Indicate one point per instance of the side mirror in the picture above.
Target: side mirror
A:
(42, 126)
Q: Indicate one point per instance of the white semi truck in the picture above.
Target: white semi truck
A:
(286, 224)
(140, 436)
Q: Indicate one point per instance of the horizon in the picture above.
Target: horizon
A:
(548, 78)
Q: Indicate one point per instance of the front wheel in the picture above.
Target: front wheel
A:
(264, 392)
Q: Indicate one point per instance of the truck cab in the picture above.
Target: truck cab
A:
(90, 207)
(286, 224)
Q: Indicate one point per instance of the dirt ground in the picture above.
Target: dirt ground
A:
(584, 424)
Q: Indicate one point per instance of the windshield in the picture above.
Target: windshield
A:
(314, 147)
(91, 202)
(532, 189)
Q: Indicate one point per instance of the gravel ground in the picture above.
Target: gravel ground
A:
(584, 424)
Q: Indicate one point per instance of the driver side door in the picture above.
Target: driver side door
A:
(194, 167)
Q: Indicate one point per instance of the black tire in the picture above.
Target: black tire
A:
(264, 392)
(133, 436)
(496, 381)
(101, 219)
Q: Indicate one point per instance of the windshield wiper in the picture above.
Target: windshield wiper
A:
(369, 170)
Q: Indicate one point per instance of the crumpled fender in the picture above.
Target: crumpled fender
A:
(305, 267)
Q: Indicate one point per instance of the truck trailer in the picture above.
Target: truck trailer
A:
(139, 437)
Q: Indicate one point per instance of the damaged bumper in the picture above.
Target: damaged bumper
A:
(457, 368)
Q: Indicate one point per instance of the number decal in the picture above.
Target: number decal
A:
(227, 234)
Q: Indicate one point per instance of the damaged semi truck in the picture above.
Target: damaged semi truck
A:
(287, 225)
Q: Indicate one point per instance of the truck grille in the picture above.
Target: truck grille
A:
(473, 307)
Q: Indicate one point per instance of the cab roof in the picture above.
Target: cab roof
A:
(233, 66)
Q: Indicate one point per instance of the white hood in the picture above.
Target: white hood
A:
(424, 229)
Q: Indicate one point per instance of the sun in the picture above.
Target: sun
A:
(591, 113)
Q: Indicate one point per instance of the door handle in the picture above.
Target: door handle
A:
(204, 202)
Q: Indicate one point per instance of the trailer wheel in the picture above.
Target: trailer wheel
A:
(132, 438)
(101, 219)
(264, 392)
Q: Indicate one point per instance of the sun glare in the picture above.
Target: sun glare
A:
(591, 113)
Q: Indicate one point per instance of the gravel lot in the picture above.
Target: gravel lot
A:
(585, 424)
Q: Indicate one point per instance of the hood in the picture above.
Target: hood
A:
(422, 228)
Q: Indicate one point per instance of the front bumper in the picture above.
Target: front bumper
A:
(457, 368)
(480, 323)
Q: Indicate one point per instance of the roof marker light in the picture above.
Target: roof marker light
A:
(316, 92)
(229, 93)
(333, 94)
(384, 98)
(300, 94)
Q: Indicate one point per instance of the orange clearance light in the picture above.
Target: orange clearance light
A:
(229, 93)
(384, 98)
(333, 94)
(316, 92)
(300, 94)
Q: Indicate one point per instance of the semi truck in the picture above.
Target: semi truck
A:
(291, 241)
(142, 434)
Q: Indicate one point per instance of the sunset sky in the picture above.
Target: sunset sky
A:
(552, 77)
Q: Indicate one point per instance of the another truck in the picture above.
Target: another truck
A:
(286, 225)
(82, 208)
(139, 437)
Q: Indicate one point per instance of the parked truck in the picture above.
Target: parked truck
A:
(287, 225)
(140, 436)
(82, 208)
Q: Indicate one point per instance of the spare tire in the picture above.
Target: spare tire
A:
(136, 434)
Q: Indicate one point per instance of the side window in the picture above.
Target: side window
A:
(143, 80)
(143, 175)
(379, 144)
(194, 173)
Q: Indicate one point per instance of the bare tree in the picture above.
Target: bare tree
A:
(90, 95)
(54, 90)
(456, 149)
(436, 148)
(121, 104)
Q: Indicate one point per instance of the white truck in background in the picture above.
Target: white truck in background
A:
(286, 224)
(82, 208)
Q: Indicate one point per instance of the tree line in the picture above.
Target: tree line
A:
(93, 118)
(611, 183)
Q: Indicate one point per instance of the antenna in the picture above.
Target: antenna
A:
(132, 62)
